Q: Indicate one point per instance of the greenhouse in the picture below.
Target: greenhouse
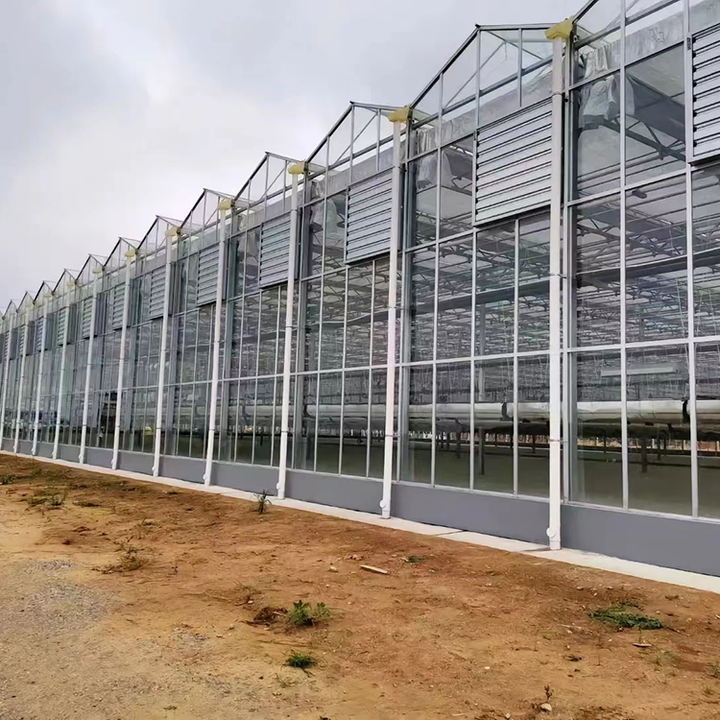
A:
(491, 308)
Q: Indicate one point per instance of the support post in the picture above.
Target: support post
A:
(223, 206)
(295, 171)
(559, 34)
(6, 375)
(170, 237)
(18, 412)
(38, 393)
(398, 117)
(130, 256)
(61, 380)
(88, 368)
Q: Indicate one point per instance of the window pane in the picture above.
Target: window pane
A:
(268, 331)
(456, 180)
(454, 314)
(328, 409)
(359, 315)
(305, 444)
(533, 293)
(655, 116)
(355, 423)
(421, 272)
(378, 389)
(658, 430)
(493, 425)
(333, 318)
(597, 31)
(335, 212)
(423, 183)
(495, 289)
(417, 441)
(452, 425)
(312, 324)
(263, 420)
(597, 273)
(707, 378)
(656, 274)
(248, 361)
(245, 420)
(652, 32)
(598, 472)
(533, 416)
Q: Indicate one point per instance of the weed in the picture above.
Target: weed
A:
(414, 559)
(303, 614)
(715, 670)
(86, 503)
(623, 615)
(548, 693)
(7, 480)
(263, 502)
(268, 615)
(50, 500)
(285, 683)
(299, 660)
(130, 560)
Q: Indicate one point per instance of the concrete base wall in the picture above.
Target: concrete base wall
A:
(182, 468)
(69, 453)
(353, 493)
(251, 478)
(135, 462)
(44, 449)
(25, 447)
(100, 457)
(504, 516)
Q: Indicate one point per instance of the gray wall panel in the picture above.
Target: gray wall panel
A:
(353, 493)
(69, 453)
(505, 516)
(182, 468)
(671, 542)
(44, 449)
(252, 478)
(135, 462)
(25, 447)
(100, 457)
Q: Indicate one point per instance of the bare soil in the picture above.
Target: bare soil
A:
(124, 599)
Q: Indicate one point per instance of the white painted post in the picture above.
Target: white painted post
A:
(398, 117)
(558, 34)
(38, 392)
(129, 255)
(170, 236)
(223, 206)
(6, 374)
(88, 368)
(295, 171)
(21, 383)
(61, 380)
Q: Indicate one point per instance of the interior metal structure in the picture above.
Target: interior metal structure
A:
(371, 325)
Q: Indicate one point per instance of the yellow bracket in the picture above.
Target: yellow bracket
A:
(297, 169)
(400, 115)
(562, 30)
(225, 204)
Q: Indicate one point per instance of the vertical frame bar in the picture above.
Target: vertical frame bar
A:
(38, 393)
(88, 367)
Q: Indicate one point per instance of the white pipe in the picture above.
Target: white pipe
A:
(22, 382)
(121, 366)
(170, 236)
(6, 373)
(88, 370)
(38, 393)
(295, 170)
(61, 380)
(223, 207)
(395, 228)
(555, 309)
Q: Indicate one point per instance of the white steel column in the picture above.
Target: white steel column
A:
(397, 118)
(170, 236)
(61, 379)
(130, 256)
(223, 206)
(6, 374)
(559, 34)
(21, 383)
(88, 368)
(38, 392)
(295, 171)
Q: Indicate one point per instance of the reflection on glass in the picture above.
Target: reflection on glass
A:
(456, 178)
(658, 429)
(495, 289)
(533, 411)
(707, 380)
(598, 467)
(703, 14)
(452, 425)
(493, 463)
(423, 198)
(454, 321)
(533, 292)
(597, 272)
(333, 318)
(655, 116)
(650, 33)
(417, 440)
(263, 421)
(597, 43)
(376, 439)
(328, 429)
(305, 443)
(359, 313)
(421, 274)
(312, 323)
(656, 266)
(355, 423)
(335, 213)
(596, 113)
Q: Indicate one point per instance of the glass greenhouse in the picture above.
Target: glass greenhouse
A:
(492, 308)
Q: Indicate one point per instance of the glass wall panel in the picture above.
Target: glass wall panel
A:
(269, 319)
(305, 443)
(376, 438)
(454, 308)
(422, 177)
(597, 44)
(534, 288)
(329, 428)
(596, 241)
(263, 423)
(493, 463)
(655, 116)
(703, 14)
(495, 289)
(333, 320)
(452, 425)
(335, 213)
(647, 33)
(533, 396)
(312, 324)
(707, 383)
(597, 474)
(658, 429)
(421, 278)
(456, 187)
(359, 315)
(355, 423)
(656, 263)
(417, 441)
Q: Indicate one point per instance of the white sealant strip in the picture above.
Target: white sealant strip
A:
(708, 583)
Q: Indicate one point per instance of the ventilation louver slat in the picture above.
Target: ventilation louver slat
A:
(369, 213)
(706, 93)
(274, 251)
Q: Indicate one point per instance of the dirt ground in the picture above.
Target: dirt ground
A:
(123, 599)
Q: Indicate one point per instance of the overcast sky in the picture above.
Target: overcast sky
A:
(113, 111)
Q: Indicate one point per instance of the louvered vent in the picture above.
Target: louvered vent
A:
(60, 326)
(39, 334)
(207, 274)
(157, 292)
(368, 218)
(86, 316)
(274, 251)
(513, 164)
(117, 301)
(706, 93)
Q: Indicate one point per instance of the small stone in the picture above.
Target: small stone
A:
(333, 568)
(546, 707)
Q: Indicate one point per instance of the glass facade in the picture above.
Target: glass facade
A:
(640, 249)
